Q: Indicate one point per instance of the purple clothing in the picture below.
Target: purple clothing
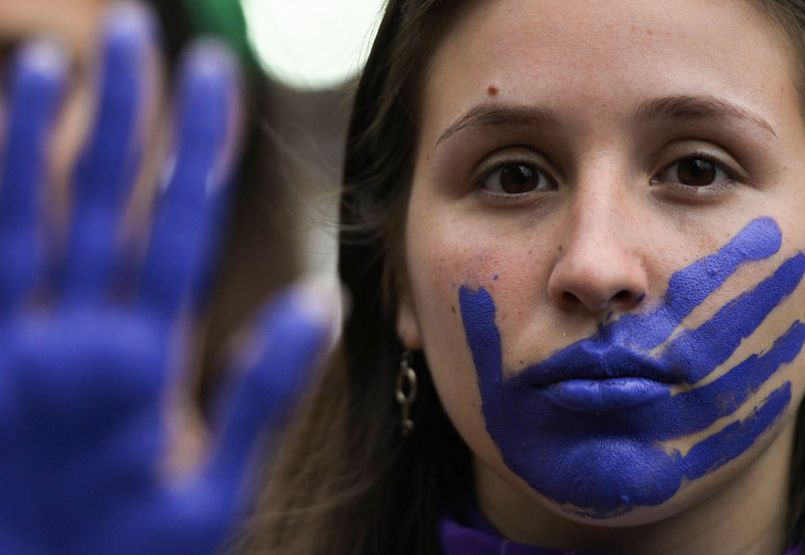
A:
(477, 537)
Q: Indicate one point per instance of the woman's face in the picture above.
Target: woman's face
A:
(603, 249)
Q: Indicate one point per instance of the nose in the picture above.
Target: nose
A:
(600, 267)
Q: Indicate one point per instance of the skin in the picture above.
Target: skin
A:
(604, 237)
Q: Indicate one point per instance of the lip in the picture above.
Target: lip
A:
(598, 377)
(607, 395)
(598, 361)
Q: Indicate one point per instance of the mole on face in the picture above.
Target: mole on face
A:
(493, 90)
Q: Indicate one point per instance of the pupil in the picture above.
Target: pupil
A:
(695, 171)
(517, 179)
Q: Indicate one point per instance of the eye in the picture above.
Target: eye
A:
(515, 178)
(696, 171)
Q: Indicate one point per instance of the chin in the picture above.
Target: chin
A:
(600, 478)
(621, 483)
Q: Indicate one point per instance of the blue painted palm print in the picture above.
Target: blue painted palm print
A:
(605, 464)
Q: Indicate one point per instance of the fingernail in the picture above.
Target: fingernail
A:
(210, 89)
(211, 59)
(45, 56)
(41, 61)
(131, 21)
(210, 64)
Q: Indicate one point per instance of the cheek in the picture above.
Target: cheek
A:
(442, 261)
(439, 265)
(437, 270)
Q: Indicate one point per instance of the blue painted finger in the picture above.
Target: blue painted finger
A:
(194, 518)
(692, 411)
(689, 287)
(294, 334)
(722, 447)
(728, 393)
(38, 77)
(196, 191)
(734, 322)
(478, 315)
(108, 164)
(11, 544)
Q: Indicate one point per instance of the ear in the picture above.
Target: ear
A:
(407, 325)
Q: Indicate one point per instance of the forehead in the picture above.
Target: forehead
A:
(588, 59)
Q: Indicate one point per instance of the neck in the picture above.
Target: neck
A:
(743, 513)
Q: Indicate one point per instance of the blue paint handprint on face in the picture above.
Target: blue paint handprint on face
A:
(586, 426)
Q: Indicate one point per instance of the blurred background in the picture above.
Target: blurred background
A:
(312, 51)
(308, 55)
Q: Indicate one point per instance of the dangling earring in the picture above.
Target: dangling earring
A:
(406, 393)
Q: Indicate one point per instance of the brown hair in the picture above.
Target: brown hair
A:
(789, 15)
(345, 482)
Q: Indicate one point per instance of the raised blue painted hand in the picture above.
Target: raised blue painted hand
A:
(85, 376)
(641, 380)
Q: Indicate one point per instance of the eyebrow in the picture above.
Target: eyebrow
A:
(679, 107)
(496, 115)
(684, 107)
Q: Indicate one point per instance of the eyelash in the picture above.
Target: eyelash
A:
(723, 184)
(500, 166)
(732, 176)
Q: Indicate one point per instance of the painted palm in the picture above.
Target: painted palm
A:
(84, 379)
(606, 464)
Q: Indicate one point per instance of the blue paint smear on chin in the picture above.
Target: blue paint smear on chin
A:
(606, 463)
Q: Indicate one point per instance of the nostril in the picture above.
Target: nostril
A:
(570, 298)
(624, 295)
(598, 292)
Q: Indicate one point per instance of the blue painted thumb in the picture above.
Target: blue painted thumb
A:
(273, 371)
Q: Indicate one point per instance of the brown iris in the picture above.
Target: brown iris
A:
(696, 172)
(518, 178)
